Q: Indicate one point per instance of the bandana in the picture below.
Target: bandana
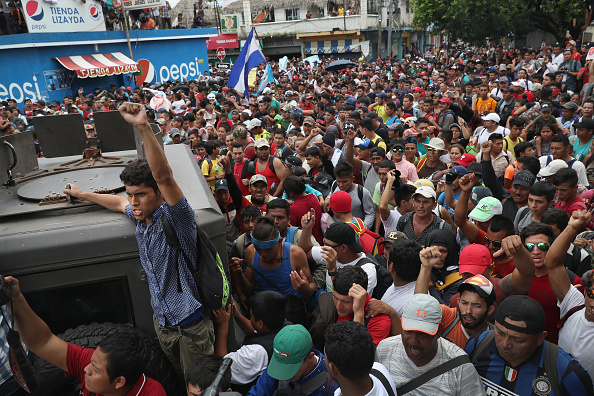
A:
(265, 244)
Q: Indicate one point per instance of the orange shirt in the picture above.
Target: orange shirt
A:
(480, 106)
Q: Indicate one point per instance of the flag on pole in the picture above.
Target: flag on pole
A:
(267, 78)
(249, 57)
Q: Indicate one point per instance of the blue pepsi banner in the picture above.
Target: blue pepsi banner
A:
(162, 55)
(64, 16)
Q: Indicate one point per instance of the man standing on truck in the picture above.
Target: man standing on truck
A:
(183, 331)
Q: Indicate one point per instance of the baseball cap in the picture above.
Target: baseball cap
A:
(179, 119)
(382, 95)
(211, 96)
(329, 139)
(291, 346)
(474, 259)
(392, 236)
(341, 202)
(570, 106)
(424, 183)
(397, 142)
(486, 209)
(309, 121)
(479, 193)
(364, 144)
(257, 178)
(536, 87)
(503, 79)
(524, 308)
(293, 160)
(503, 67)
(253, 123)
(586, 123)
(466, 159)
(524, 178)
(546, 107)
(552, 168)
(377, 152)
(460, 169)
(261, 143)
(508, 89)
(446, 100)
(491, 117)
(422, 313)
(355, 114)
(426, 191)
(435, 143)
(174, 132)
(351, 101)
(221, 185)
(481, 286)
(343, 234)
(519, 83)
(161, 121)
(474, 167)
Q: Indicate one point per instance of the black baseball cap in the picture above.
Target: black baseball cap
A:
(329, 139)
(343, 234)
(377, 152)
(586, 123)
(293, 160)
(355, 114)
(397, 142)
(522, 308)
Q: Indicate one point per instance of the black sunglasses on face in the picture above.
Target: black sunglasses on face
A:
(496, 244)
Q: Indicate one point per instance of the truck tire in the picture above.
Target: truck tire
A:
(54, 383)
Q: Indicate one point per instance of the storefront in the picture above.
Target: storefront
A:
(32, 66)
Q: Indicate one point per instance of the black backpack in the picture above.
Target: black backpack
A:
(208, 271)
(384, 279)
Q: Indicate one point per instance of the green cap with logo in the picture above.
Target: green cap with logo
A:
(486, 209)
(291, 346)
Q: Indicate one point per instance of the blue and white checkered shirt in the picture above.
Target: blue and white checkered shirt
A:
(5, 372)
(158, 260)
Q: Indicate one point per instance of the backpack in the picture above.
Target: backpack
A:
(569, 163)
(550, 359)
(208, 271)
(250, 166)
(371, 241)
(384, 279)
(207, 159)
(291, 231)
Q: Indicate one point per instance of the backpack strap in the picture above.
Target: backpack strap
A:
(291, 231)
(271, 163)
(434, 372)
(451, 327)
(550, 366)
(173, 241)
(380, 376)
(482, 346)
(360, 194)
(568, 314)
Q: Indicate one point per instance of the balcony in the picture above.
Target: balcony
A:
(316, 25)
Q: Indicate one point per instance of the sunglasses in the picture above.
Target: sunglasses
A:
(432, 150)
(590, 293)
(398, 150)
(496, 244)
(542, 246)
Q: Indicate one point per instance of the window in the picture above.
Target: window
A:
(292, 14)
(407, 6)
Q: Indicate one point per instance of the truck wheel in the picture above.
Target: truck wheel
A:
(54, 383)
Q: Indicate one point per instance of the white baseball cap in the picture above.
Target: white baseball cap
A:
(425, 191)
(491, 117)
(552, 168)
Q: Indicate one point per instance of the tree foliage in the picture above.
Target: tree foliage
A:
(474, 21)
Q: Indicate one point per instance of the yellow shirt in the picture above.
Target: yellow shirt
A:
(211, 171)
(264, 135)
(509, 145)
(381, 144)
(381, 111)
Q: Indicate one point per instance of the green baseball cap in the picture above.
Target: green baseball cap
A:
(291, 346)
(486, 209)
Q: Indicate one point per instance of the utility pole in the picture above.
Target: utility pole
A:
(390, 23)
(379, 30)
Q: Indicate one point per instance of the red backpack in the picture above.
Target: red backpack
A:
(367, 238)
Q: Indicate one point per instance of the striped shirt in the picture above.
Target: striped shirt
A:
(158, 260)
(462, 380)
(529, 378)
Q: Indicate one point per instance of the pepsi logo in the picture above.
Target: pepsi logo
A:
(34, 10)
(148, 72)
(94, 12)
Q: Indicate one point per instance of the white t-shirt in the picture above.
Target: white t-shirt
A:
(484, 134)
(392, 221)
(177, 106)
(378, 387)
(577, 166)
(577, 334)
(462, 380)
(316, 253)
(397, 296)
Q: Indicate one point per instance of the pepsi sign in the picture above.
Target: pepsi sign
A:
(45, 17)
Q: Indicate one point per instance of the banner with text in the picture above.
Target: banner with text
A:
(67, 16)
(139, 4)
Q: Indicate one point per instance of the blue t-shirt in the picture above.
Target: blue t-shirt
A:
(420, 148)
(441, 200)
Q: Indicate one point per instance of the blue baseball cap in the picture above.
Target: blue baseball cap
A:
(460, 169)
(365, 143)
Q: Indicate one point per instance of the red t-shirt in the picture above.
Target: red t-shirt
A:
(541, 291)
(237, 169)
(78, 358)
(572, 206)
(301, 206)
(528, 96)
(379, 326)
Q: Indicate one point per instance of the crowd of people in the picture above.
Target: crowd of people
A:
(418, 226)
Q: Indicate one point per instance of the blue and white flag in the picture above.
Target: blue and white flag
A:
(267, 78)
(249, 57)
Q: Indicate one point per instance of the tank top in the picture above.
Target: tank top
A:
(280, 275)
(268, 173)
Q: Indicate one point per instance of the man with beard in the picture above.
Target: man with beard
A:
(475, 301)
(420, 351)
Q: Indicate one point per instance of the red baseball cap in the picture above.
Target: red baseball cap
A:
(474, 259)
(445, 100)
(340, 201)
(466, 159)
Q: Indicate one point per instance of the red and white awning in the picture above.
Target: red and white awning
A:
(99, 65)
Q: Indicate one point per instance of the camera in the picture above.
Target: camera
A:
(5, 292)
